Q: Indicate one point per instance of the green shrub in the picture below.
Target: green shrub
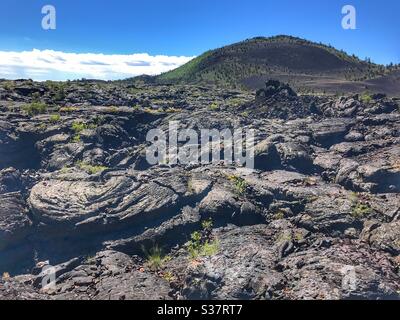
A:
(366, 98)
(197, 248)
(35, 108)
(68, 109)
(209, 248)
(76, 138)
(213, 107)
(90, 168)
(78, 127)
(360, 208)
(201, 244)
(55, 118)
(239, 184)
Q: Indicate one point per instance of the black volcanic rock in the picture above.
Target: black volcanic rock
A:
(274, 87)
(317, 218)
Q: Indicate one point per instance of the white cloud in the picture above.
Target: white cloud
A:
(56, 65)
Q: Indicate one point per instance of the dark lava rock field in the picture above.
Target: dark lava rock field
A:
(318, 218)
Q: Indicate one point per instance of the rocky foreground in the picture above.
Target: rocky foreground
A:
(319, 218)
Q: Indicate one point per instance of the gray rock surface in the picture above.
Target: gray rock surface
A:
(318, 217)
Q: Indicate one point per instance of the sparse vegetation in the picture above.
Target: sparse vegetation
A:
(168, 276)
(197, 248)
(360, 207)
(361, 210)
(201, 243)
(207, 224)
(35, 108)
(239, 184)
(68, 109)
(76, 138)
(243, 61)
(57, 89)
(91, 169)
(155, 258)
(366, 98)
(55, 118)
(78, 127)
(213, 107)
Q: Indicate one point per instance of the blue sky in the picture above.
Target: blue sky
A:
(171, 32)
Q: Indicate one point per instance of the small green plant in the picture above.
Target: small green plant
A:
(201, 243)
(194, 247)
(76, 138)
(60, 94)
(197, 249)
(361, 210)
(55, 118)
(210, 248)
(239, 184)
(213, 107)
(168, 276)
(366, 98)
(155, 258)
(35, 108)
(360, 207)
(90, 168)
(67, 109)
(207, 224)
(78, 127)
